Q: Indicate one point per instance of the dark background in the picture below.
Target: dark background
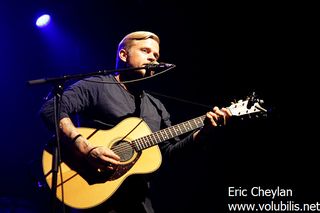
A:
(221, 53)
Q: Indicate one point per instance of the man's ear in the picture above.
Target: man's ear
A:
(123, 55)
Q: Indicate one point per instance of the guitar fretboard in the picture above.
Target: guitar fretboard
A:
(238, 109)
(168, 133)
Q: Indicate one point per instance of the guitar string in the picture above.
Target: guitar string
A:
(151, 139)
(144, 141)
(154, 137)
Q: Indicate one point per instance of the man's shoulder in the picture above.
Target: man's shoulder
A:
(95, 80)
(100, 78)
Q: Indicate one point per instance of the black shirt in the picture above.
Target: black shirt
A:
(109, 103)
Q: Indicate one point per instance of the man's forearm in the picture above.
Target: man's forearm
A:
(67, 127)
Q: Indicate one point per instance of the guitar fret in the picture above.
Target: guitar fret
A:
(172, 134)
(186, 126)
(159, 135)
(171, 129)
(183, 128)
(153, 140)
(192, 124)
(176, 129)
(137, 144)
(166, 136)
(141, 143)
(189, 126)
(198, 122)
(148, 143)
(144, 142)
(146, 139)
(168, 133)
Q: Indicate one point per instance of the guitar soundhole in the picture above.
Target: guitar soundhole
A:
(124, 150)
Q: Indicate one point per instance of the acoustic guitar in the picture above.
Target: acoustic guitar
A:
(81, 186)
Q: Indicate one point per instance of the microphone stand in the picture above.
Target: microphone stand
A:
(81, 75)
(58, 90)
(58, 87)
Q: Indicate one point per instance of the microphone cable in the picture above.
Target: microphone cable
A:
(134, 80)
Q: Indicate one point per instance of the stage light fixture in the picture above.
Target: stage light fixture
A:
(43, 20)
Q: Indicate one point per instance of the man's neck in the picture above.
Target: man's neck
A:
(133, 88)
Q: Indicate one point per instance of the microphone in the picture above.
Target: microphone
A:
(161, 65)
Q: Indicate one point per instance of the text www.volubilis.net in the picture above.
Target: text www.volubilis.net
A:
(272, 206)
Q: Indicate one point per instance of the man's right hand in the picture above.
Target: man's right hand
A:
(99, 157)
(103, 158)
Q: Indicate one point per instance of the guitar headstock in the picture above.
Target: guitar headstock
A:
(252, 105)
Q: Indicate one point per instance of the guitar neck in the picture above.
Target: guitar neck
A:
(241, 108)
(168, 133)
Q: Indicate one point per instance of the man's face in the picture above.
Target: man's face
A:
(142, 52)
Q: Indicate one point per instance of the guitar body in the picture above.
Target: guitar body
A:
(82, 186)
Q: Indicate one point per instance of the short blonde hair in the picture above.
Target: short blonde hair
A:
(129, 39)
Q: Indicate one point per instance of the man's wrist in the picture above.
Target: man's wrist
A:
(82, 144)
(74, 139)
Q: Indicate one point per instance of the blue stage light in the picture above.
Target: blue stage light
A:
(43, 20)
